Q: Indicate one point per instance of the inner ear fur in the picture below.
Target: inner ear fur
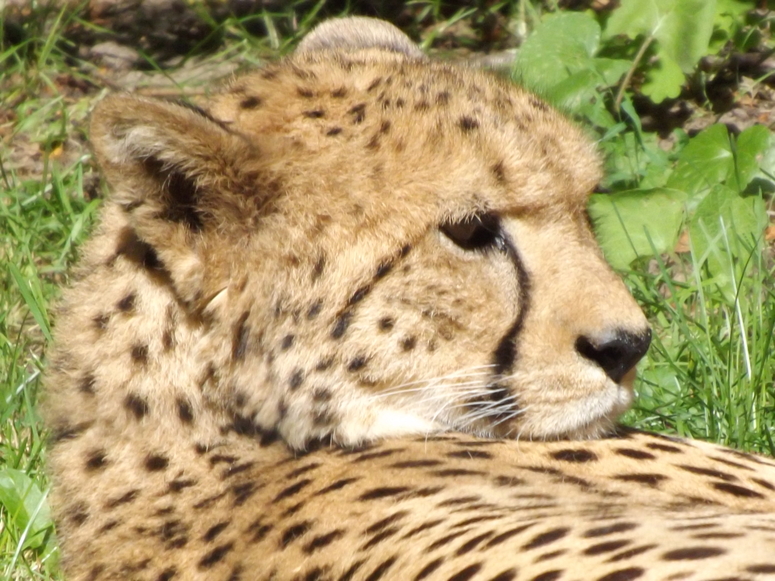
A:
(179, 174)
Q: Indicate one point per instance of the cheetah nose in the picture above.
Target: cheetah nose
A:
(617, 352)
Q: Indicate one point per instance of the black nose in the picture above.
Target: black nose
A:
(616, 354)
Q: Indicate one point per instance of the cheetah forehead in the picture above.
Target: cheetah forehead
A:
(439, 137)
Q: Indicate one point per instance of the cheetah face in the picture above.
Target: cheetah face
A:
(373, 244)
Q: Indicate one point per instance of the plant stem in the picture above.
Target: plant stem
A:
(626, 82)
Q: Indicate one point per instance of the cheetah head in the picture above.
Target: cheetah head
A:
(374, 244)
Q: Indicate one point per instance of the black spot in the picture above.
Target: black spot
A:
(760, 568)
(87, 383)
(735, 490)
(315, 309)
(333, 131)
(499, 171)
(321, 395)
(629, 553)
(664, 448)
(359, 295)
(250, 102)
(442, 98)
(101, 321)
(214, 531)
(127, 303)
(350, 573)
(215, 556)
(341, 324)
(508, 575)
(610, 529)
(140, 353)
(324, 364)
(185, 413)
(471, 544)
(180, 484)
(314, 114)
(125, 498)
(467, 123)
(708, 472)
(339, 93)
(693, 553)
(287, 342)
(294, 532)
(548, 576)
(96, 460)
(322, 541)
(292, 490)
(240, 337)
(429, 568)
(242, 492)
(386, 323)
(416, 464)
(358, 113)
(636, 454)
(624, 574)
(258, 530)
(156, 462)
(296, 379)
(338, 485)
(763, 483)
(381, 569)
(357, 363)
(167, 574)
(648, 479)
(574, 455)
(408, 343)
(384, 127)
(537, 104)
(304, 93)
(137, 405)
(383, 492)
(607, 547)
(546, 538)
(467, 573)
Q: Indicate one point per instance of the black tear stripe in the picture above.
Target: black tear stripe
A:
(505, 354)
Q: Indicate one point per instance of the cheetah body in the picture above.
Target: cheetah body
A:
(322, 320)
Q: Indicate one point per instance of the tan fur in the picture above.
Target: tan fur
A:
(289, 263)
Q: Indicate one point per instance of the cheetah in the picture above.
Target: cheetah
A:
(348, 321)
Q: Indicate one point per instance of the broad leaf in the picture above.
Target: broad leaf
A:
(706, 160)
(637, 223)
(26, 506)
(563, 45)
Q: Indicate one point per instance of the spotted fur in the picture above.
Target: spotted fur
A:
(300, 297)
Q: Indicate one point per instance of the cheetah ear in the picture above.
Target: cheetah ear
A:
(180, 175)
(358, 32)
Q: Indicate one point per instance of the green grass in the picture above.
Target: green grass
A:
(709, 373)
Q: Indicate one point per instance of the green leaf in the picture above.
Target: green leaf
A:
(637, 223)
(664, 80)
(706, 160)
(682, 29)
(26, 505)
(752, 145)
(724, 231)
(564, 44)
(33, 295)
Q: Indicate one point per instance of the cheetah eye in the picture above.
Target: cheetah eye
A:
(476, 233)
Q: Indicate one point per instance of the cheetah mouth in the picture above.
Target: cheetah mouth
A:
(590, 417)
